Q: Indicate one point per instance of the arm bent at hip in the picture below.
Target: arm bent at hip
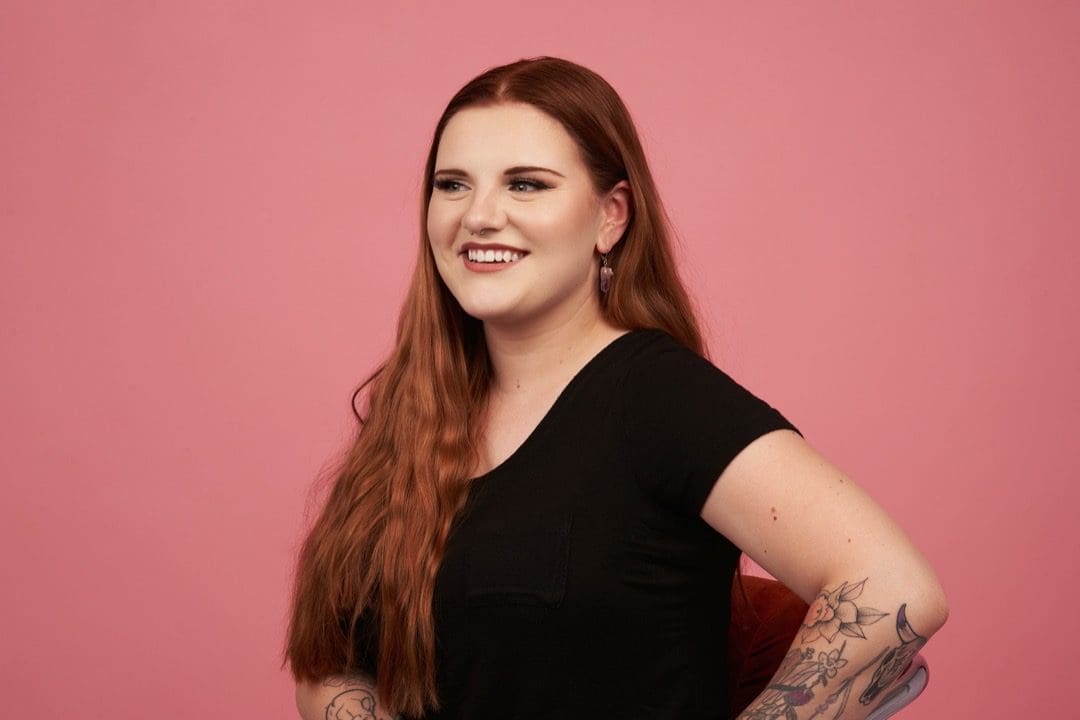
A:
(874, 599)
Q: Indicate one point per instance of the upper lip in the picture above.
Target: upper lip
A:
(488, 246)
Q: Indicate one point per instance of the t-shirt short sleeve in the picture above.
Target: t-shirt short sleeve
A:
(685, 420)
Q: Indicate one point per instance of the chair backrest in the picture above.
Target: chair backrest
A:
(763, 626)
(765, 616)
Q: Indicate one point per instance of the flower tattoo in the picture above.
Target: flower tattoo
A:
(834, 612)
(830, 663)
(799, 684)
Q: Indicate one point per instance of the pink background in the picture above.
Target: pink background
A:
(208, 214)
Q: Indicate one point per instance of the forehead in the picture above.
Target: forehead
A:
(504, 135)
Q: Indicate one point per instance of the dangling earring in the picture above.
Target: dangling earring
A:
(606, 271)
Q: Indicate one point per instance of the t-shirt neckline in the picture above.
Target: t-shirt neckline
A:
(560, 400)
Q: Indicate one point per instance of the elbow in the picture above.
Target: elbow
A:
(944, 608)
(943, 613)
(933, 610)
(300, 700)
(305, 701)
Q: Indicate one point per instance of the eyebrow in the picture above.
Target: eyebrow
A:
(455, 172)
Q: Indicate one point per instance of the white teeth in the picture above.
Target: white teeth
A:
(505, 256)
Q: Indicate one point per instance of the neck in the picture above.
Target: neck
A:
(542, 357)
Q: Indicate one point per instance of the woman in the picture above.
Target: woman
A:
(542, 513)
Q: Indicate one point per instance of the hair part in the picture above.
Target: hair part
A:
(366, 570)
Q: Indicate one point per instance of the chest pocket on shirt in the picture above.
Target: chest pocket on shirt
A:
(520, 566)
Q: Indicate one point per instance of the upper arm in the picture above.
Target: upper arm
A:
(807, 523)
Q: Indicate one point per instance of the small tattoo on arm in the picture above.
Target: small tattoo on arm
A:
(355, 703)
(835, 612)
(801, 671)
(896, 660)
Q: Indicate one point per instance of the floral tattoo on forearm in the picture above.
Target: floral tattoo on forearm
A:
(806, 670)
(834, 612)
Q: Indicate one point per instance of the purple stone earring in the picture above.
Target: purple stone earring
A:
(606, 271)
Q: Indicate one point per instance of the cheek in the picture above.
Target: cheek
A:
(560, 224)
(439, 225)
(556, 219)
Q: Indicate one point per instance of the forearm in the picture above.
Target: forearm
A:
(852, 647)
(340, 697)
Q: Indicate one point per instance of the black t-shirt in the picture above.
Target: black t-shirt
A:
(580, 580)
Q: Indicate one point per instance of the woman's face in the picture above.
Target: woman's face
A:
(534, 261)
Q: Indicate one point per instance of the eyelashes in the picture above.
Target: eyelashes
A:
(535, 185)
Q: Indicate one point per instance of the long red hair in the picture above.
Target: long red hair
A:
(375, 548)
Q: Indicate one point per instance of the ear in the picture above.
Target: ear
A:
(616, 209)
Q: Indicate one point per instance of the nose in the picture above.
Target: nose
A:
(484, 212)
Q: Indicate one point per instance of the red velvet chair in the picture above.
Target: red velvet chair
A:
(764, 622)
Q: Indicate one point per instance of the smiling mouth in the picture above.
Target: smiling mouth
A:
(478, 256)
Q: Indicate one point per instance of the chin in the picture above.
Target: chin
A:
(489, 309)
(488, 313)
